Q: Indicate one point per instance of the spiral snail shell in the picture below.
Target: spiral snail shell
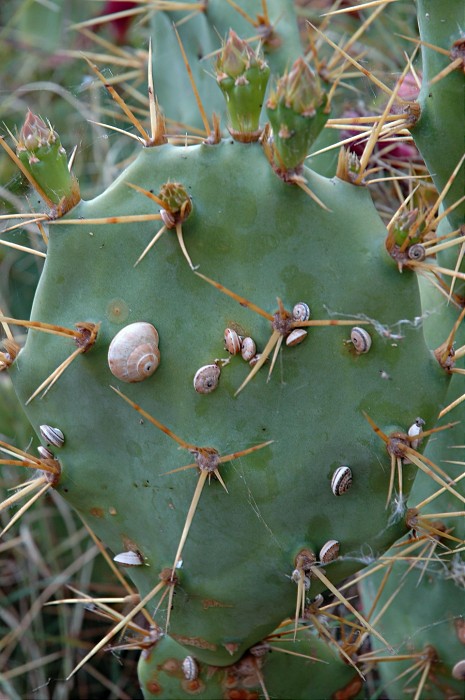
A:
(45, 453)
(301, 311)
(206, 379)
(361, 340)
(52, 436)
(190, 668)
(296, 336)
(341, 481)
(458, 671)
(417, 252)
(329, 551)
(133, 354)
(232, 341)
(248, 348)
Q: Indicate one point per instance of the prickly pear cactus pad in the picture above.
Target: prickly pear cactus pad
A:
(282, 437)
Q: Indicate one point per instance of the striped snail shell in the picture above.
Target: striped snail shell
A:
(206, 379)
(232, 341)
(248, 348)
(45, 453)
(361, 339)
(417, 252)
(129, 559)
(190, 668)
(301, 311)
(329, 551)
(296, 336)
(341, 481)
(133, 354)
(52, 436)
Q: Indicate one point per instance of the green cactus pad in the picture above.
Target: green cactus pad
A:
(262, 239)
(285, 670)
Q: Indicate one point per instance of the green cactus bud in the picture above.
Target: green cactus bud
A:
(40, 151)
(242, 76)
(297, 110)
(176, 200)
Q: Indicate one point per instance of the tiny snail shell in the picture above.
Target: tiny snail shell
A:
(298, 575)
(255, 359)
(133, 354)
(190, 668)
(301, 311)
(129, 559)
(361, 339)
(341, 481)
(248, 349)
(260, 649)
(206, 379)
(458, 671)
(417, 252)
(232, 341)
(52, 436)
(329, 551)
(45, 453)
(296, 336)
(415, 429)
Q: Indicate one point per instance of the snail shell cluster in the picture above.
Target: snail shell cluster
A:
(52, 436)
(360, 339)
(235, 344)
(133, 354)
(206, 378)
(190, 668)
(341, 480)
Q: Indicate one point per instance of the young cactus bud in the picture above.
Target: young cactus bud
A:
(176, 202)
(402, 226)
(297, 110)
(40, 151)
(242, 76)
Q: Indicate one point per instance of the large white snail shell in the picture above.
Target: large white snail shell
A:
(133, 354)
